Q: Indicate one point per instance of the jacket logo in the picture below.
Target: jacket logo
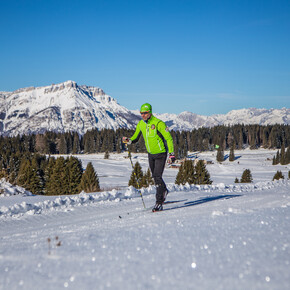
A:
(152, 126)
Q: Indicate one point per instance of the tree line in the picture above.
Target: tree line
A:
(202, 139)
(50, 176)
(282, 157)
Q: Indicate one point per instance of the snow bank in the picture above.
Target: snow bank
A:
(239, 187)
(7, 189)
(66, 203)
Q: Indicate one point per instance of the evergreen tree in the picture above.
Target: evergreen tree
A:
(107, 155)
(147, 179)
(202, 176)
(232, 154)
(76, 144)
(89, 142)
(62, 146)
(29, 177)
(14, 165)
(40, 143)
(186, 173)
(274, 162)
(48, 171)
(23, 178)
(74, 171)
(35, 181)
(283, 155)
(220, 155)
(247, 176)
(287, 155)
(180, 178)
(278, 175)
(278, 157)
(58, 179)
(90, 180)
(189, 172)
(236, 180)
(136, 176)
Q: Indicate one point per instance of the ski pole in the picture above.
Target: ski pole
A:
(129, 154)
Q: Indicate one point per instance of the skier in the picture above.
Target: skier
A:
(158, 143)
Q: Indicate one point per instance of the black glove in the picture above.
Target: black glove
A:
(127, 140)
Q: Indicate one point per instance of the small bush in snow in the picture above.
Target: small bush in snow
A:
(278, 175)
(247, 176)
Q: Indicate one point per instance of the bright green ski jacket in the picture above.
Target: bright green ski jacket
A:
(156, 135)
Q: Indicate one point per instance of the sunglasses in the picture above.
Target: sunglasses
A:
(144, 113)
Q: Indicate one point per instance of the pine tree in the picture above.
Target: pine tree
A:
(62, 146)
(23, 178)
(136, 176)
(201, 174)
(278, 157)
(283, 155)
(74, 170)
(147, 179)
(76, 144)
(180, 175)
(14, 165)
(186, 173)
(49, 189)
(287, 155)
(236, 180)
(41, 143)
(90, 180)
(35, 181)
(278, 175)
(232, 154)
(220, 155)
(247, 176)
(274, 162)
(59, 181)
(107, 155)
(189, 172)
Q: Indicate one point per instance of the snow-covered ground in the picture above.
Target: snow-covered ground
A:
(223, 236)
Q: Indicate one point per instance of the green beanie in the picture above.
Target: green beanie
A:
(146, 108)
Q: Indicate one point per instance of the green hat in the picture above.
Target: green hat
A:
(146, 108)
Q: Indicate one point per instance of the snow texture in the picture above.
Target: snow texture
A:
(219, 236)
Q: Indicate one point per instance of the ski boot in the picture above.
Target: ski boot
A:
(157, 207)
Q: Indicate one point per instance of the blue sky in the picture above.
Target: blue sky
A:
(207, 57)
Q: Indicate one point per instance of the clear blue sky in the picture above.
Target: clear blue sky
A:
(202, 56)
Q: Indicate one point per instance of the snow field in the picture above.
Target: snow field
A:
(219, 236)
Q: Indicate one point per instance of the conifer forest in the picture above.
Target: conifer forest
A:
(26, 160)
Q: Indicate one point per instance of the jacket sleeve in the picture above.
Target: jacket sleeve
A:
(137, 134)
(164, 130)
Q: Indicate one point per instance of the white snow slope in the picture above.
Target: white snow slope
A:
(223, 236)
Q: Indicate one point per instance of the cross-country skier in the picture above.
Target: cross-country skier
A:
(158, 143)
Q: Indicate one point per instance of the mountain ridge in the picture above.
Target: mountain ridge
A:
(68, 106)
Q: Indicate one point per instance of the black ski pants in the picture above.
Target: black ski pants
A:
(157, 164)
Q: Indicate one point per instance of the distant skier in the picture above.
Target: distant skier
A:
(158, 143)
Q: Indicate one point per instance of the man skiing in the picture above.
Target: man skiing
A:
(158, 143)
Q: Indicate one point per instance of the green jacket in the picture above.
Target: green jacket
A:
(156, 135)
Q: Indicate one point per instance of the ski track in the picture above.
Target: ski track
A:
(211, 237)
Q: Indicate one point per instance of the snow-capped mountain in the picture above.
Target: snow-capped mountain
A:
(188, 121)
(61, 107)
(69, 107)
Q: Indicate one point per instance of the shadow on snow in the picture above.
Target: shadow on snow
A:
(200, 201)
